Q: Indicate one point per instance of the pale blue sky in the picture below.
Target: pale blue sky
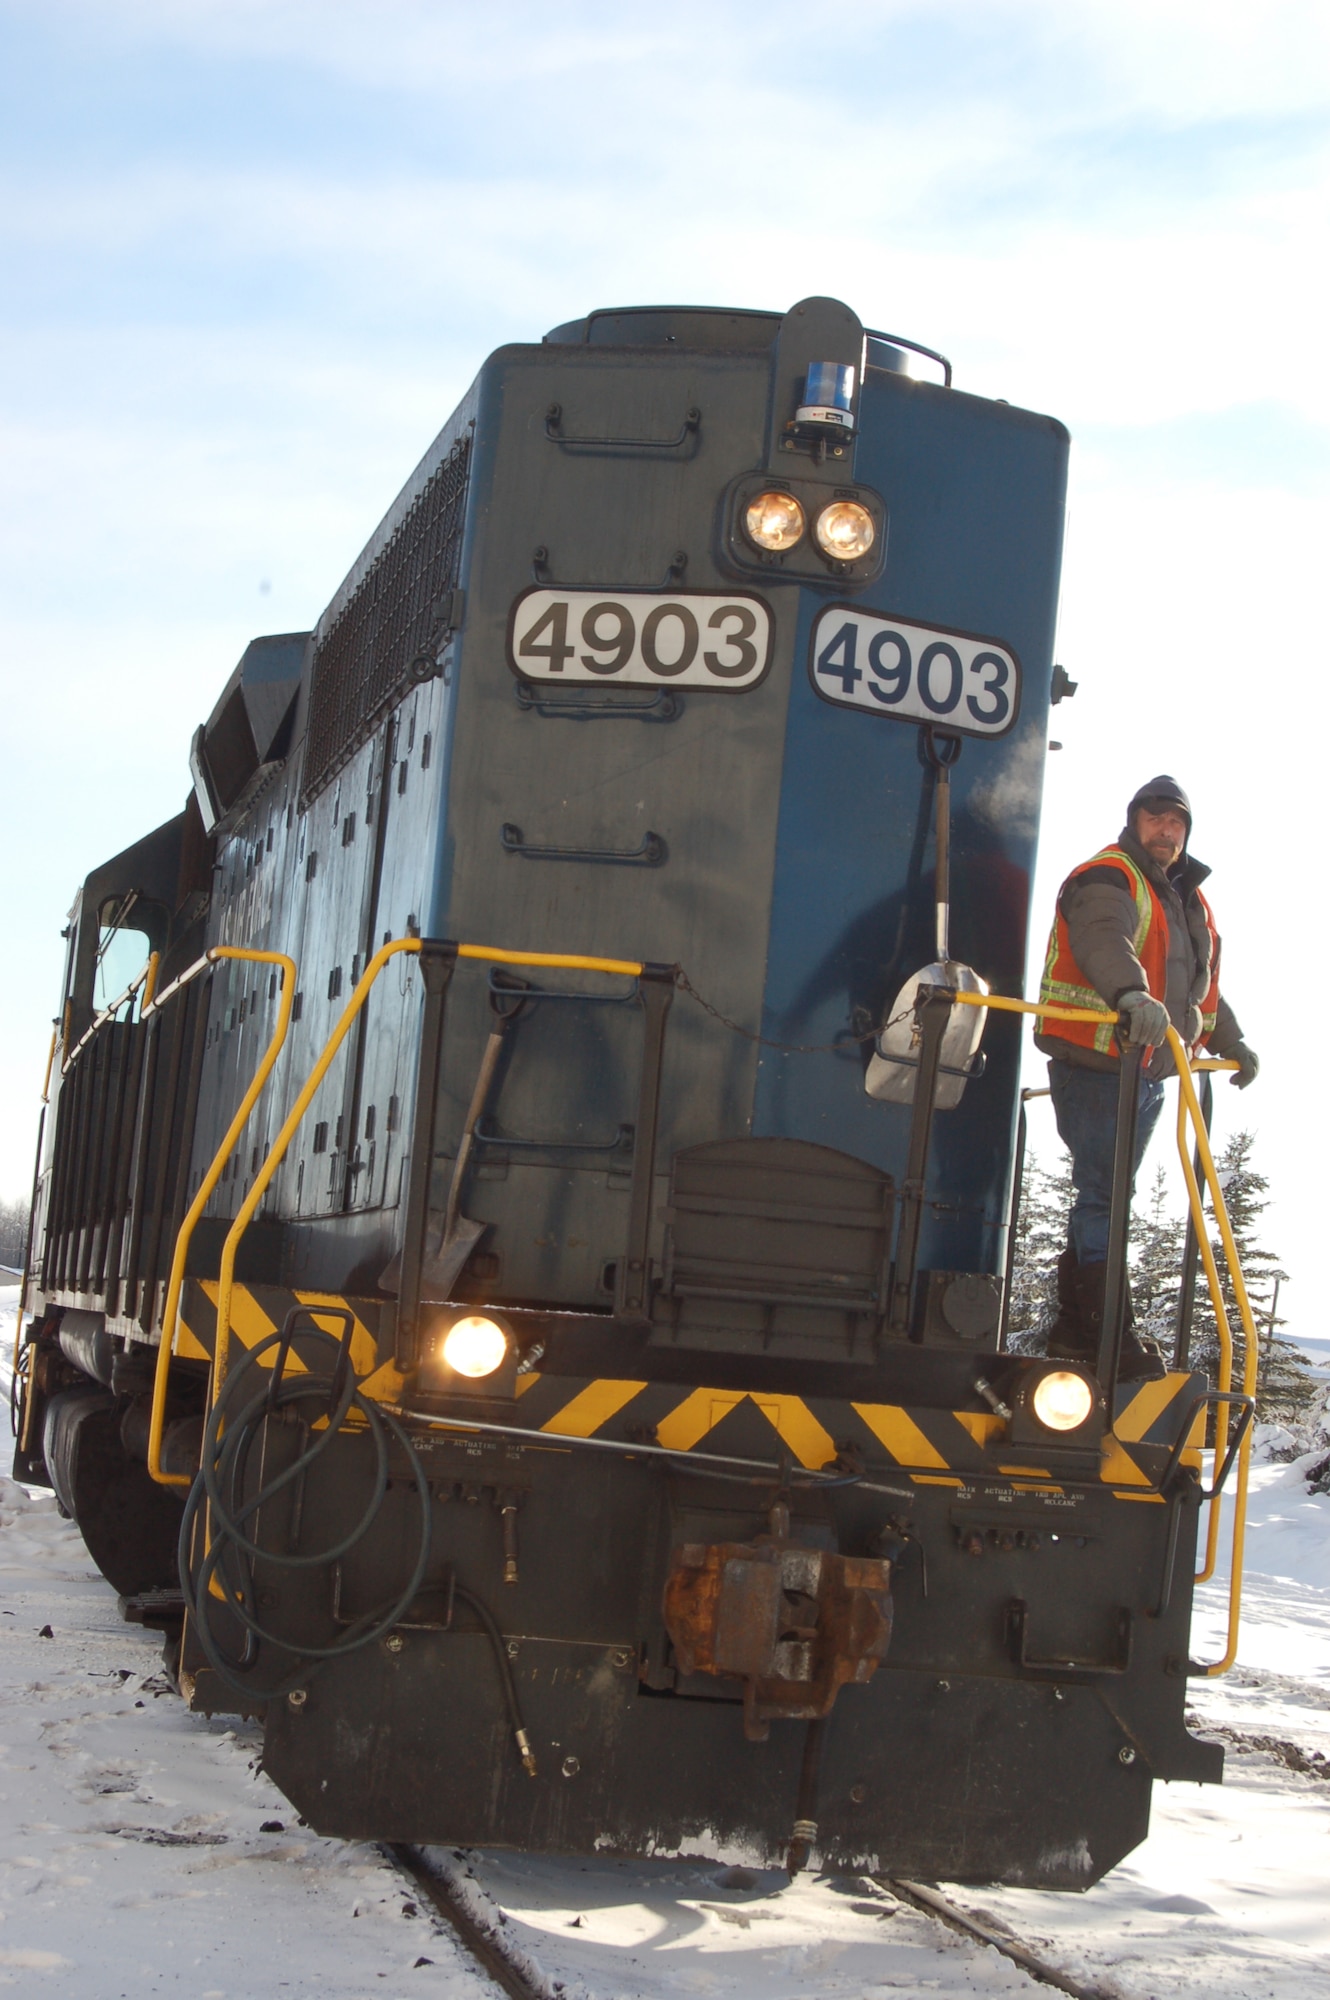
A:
(254, 249)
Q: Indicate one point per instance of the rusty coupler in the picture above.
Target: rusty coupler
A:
(793, 1623)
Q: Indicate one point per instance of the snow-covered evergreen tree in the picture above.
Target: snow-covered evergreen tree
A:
(1285, 1393)
(1041, 1236)
(1157, 1243)
(13, 1231)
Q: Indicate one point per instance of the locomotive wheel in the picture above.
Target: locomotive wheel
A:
(128, 1521)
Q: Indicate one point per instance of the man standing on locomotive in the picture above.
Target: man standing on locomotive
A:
(1132, 932)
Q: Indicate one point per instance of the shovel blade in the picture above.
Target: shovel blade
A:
(441, 1271)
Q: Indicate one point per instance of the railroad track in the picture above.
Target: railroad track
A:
(512, 1970)
(443, 1879)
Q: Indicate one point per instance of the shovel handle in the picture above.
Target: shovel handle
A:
(484, 1078)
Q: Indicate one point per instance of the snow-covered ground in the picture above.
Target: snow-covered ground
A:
(142, 1852)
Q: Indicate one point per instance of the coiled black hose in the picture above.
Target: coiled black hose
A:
(234, 1423)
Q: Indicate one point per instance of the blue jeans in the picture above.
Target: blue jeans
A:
(1085, 1104)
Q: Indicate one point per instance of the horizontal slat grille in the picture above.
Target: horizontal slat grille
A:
(366, 661)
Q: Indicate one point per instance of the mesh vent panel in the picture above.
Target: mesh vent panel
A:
(366, 661)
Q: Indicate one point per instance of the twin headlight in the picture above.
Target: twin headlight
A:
(845, 531)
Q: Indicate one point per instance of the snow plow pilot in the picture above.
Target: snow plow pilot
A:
(1132, 932)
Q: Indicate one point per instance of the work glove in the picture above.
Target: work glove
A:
(1146, 1019)
(1249, 1064)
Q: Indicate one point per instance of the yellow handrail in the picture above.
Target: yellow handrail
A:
(489, 954)
(50, 1065)
(1225, 1377)
(175, 1285)
(1189, 1110)
(1251, 1353)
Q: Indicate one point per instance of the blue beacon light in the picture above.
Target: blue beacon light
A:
(828, 398)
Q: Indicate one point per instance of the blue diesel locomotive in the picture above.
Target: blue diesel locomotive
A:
(502, 1296)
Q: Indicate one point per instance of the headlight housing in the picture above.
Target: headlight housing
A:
(1062, 1400)
(1056, 1407)
(845, 531)
(475, 1346)
(467, 1351)
(774, 521)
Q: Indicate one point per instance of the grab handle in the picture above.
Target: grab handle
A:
(622, 1142)
(663, 706)
(650, 851)
(556, 434)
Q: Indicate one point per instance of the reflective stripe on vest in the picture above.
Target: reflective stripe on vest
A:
(1064, 984)
(1210, 1004)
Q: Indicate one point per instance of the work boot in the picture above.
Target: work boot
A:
(1140, 1360)
(1067, 1337)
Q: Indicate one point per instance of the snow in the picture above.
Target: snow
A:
(142, 1851)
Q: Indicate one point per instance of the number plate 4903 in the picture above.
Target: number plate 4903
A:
(919, 673)
(688, 638)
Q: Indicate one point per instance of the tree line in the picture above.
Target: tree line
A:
(13, 1232)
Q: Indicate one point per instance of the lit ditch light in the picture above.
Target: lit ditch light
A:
(774, 521)
(1062, 1400)
(475, 1346)
(845, 531)
(1054, 1405)
(469, 1354)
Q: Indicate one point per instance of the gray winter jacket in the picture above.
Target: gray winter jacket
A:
(1101, 923)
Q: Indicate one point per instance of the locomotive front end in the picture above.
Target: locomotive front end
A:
(608, 1437)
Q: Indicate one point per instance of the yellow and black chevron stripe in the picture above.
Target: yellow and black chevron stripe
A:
(931, 1447)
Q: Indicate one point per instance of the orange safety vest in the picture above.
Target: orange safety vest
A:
(1064, 984)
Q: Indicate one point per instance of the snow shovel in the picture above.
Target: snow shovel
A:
(894, 1064)
(460, 1233)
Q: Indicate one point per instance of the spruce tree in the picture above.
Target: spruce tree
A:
(1156, 1271)
(1285, 1393)
(1041, 1237)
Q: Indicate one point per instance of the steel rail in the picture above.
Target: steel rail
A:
(518, 1975)
(922, 1896)
(486, 1946)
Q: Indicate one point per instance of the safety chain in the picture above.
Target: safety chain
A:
(685, 985)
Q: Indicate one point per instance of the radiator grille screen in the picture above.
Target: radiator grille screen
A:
(366, 660)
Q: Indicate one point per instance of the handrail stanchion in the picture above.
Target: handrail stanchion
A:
(1191, 1248)
(436, 970)
(175, 1286)
(1114, 1317)
(1191, 1169)
(932, 1011)
(1251, 1352)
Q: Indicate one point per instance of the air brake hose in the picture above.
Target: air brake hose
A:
(234, 1424)
(231, 1553)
